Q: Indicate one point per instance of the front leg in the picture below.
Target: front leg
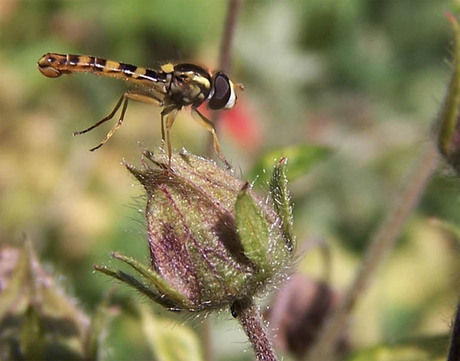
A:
(170, 113)
(210, 127)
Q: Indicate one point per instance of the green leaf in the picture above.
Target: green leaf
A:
(281, 203)
(33, 342)
(169, 342)
(414, 349)
(448, 142)
(253, 229)
(99, 321)
(449, 227)
(301, 159)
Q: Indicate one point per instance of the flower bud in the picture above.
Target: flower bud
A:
(212, 240)
(298, 313)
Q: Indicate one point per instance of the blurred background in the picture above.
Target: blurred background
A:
(363, 78)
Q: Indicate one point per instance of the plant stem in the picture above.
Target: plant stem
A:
(225, 54)
(248, 315)
(206, 340)
(228, 35)
(454, 350)
(382, 242)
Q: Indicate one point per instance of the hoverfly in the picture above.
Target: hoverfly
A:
(172, 87)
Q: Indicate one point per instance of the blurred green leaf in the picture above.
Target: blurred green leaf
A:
(168, 341)
(448, 142)
(449, 227)
(38, 321)
(98, 326)
(32, 336)
(300, 159)
(432, 348)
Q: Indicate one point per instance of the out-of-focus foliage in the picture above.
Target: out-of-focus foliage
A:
(364, 78)
(449, 120)
(38, 321)
(420, 349)
(301, 159)
(178, 343)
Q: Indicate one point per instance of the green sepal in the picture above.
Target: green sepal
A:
(137, 285)
(163, 287)
(164, 294)
(253, 230)
(281, 202)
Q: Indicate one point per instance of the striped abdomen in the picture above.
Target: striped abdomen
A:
(54, 65)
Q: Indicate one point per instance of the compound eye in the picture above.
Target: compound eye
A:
(223, 95)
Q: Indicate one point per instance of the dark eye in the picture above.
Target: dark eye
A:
(222, 92)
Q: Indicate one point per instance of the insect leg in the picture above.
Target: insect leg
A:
(170, 114)
(162, 130)
(108, 117)
(114, 129)
(152, 99)
(123, 100)
(210, 127)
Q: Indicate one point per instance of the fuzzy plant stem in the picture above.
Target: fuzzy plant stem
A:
(382, 242)
(454, 350)
(249, 317)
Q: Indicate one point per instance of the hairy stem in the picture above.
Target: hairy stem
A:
(248, 316)
(382, 242)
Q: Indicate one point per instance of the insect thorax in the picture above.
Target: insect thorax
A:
(190, 85)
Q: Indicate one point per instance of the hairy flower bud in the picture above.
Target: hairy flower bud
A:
(212, 240)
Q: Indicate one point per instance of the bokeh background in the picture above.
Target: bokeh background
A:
(363, 78)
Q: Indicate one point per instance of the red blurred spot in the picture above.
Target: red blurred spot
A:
(451, 17)
(241, 125)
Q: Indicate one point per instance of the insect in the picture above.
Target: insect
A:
(172, 87)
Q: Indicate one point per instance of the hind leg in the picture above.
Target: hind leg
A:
(123, 103)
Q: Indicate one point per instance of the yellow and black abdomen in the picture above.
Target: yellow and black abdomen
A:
(54, 65)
